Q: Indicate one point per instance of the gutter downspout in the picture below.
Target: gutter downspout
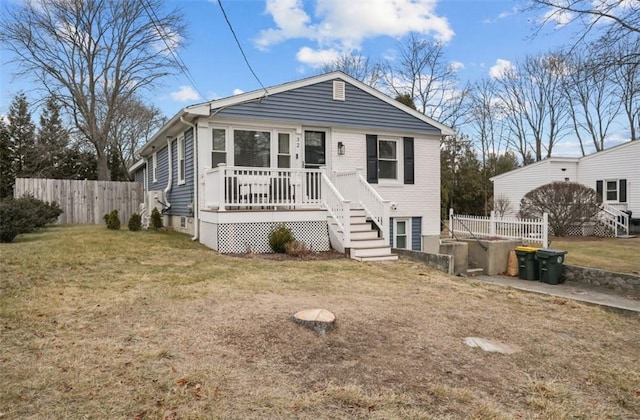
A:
(196, 177)
(167, 204)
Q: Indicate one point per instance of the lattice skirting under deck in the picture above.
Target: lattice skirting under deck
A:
(238, 238)
(590, 229)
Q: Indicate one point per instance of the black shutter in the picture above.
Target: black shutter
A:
(623, 191)
(372, 158)
(599, 189)
(408, 160)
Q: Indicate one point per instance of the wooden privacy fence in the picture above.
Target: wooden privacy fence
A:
(84, 202)
(527, 230)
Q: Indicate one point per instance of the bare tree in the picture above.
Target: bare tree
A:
(612, 21)
(357, 66)
(502, 205)
(93, 55)
(593, 102)
(626, 76)
(536, 108)
(133, 126)
(423, 72)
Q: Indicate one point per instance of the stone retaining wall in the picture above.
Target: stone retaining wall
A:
(438, 261)
(622, 282)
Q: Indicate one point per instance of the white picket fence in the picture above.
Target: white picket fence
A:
(526, 230)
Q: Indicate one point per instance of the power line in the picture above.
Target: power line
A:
(176, 57)
(240, 47)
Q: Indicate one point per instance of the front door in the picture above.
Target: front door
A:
(315, 156)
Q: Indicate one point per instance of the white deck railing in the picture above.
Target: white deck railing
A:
(615, 218)
(527, 230)
(250, 188)
(338, 208)
(355, 188)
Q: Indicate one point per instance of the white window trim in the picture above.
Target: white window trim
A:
(182, 149)
(154, 166)
(606, 191)
(407, 221)
(227, 146)
(399, 160)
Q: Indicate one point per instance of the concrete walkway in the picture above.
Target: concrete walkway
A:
(576, 291)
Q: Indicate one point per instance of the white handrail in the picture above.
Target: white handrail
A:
(338, 208)
(615, 219)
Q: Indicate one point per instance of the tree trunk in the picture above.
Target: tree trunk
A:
(102, 167)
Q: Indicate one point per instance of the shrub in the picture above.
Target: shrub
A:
(566, 203)
(156, 219)
(279, 237)
(24, 215)
(135, 222)
(112, 220)
(296, 248)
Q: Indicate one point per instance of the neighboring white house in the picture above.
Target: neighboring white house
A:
(333, 159)
(614, 173)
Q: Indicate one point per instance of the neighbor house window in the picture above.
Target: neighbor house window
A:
(181, 163)
(401, 233)
(218, 147)
(154, 167)
(387, 159)
(252, 148)
(284, 150)
(612, 190)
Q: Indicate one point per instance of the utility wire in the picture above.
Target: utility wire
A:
(163, 36)
(266, 92)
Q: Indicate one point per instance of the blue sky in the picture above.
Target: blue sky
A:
(286, 40)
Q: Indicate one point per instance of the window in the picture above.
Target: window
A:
(218, 147)
(154, 167)
(401, 237)
(612, 190)
(181, 163)
(252, 148)
(284, 150)
(387, 159)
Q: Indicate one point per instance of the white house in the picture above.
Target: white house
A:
(335, 160)
(614, 173)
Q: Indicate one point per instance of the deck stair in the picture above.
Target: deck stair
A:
(366, 244)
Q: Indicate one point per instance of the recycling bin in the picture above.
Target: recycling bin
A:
(527, 263)
(550, 264)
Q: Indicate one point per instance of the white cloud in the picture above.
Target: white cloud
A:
(340, 25)
(559, 17)
(185, 94)
(456, 65)
(316, 58)
(167, 42)
(237, 91)
(498, 70)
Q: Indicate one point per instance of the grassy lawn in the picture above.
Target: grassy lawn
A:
(613, 254)
(103, 324)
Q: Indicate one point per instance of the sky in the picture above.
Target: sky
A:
(286, 40)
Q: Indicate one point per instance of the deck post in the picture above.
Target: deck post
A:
(222, 182)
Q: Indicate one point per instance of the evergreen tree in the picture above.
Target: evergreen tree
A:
(22, 137)
(460, 178)
(7, 174)
(53, 142)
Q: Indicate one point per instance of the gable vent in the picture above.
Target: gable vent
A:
(338, 90)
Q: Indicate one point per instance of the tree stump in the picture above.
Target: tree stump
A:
(318, 320)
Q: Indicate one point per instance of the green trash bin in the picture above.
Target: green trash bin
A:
(527, 263)
(550, 261)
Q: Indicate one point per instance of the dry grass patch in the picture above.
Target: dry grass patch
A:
(612, 254)
(91, 328)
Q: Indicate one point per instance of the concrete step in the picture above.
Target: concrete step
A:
(373, 251)
(368, 243)
(474, 272)
(391, 257)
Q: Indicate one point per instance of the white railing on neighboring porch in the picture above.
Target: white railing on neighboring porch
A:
(355, 188)
(527, 230)
(616, 219)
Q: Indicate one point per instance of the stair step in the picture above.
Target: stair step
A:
(474, 271)
(368, 243)
(370, 251)
(363, 234)
(391, 257)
